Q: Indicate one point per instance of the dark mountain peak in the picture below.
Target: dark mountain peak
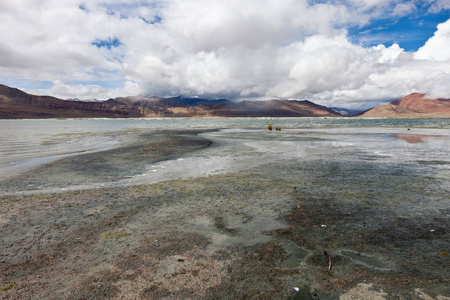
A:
(348, 112)
(199, 101)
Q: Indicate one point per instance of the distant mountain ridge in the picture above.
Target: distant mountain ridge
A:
(16, 104)
(347, 112)
(179, 101)
(415, 105)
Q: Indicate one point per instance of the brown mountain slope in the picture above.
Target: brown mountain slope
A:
(15, 104)
(272, 108)
(412, 106)
(185, 107)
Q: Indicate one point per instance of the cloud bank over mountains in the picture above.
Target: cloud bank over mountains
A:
(292, 49)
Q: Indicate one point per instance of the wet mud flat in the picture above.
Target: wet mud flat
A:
(255, 233)
(137, 152)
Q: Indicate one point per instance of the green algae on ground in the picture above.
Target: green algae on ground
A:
(6, 287)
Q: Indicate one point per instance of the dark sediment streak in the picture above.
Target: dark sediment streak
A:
(108, 166)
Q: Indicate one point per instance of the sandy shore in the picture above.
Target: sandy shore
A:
(117, 225)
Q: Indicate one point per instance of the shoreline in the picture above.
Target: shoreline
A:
(102, 166)
(257, 228)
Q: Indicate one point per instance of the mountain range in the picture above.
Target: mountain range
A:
(414, 105)
(16, 104)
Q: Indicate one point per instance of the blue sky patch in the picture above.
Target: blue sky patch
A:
(103, 83)
(410, 32)
(109, 43)
(156, 19)
(82, 7)
(25, 83)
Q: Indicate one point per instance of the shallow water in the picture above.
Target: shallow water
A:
(28, 143)
(257, 209)
(370, 261)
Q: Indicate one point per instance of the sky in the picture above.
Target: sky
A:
(339, 53)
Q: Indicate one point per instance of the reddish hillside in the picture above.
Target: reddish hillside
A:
(412, 106)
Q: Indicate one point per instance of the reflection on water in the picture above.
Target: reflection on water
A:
(26, 143)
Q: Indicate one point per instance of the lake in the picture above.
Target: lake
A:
(224, 208)
(27, 143)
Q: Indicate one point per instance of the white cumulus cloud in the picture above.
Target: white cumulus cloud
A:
(437, 47)
(296, 49)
